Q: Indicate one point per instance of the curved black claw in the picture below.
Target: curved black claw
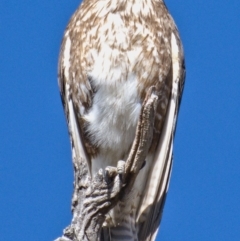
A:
(143, 165)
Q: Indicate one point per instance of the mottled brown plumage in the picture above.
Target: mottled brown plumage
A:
(112, 52)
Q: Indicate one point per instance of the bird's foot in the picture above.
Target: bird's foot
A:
(112, 172)
(121, 170)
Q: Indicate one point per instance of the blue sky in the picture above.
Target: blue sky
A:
(35, 160)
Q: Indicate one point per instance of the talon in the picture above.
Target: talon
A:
(121, 170)
(143, 165)
(100, 172)
(110, 171)
(121, 167)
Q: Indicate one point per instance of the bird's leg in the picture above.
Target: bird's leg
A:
(98, 195)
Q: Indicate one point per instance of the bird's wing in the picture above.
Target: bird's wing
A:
(158, 179)
(76, 94)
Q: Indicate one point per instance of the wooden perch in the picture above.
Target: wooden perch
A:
(94, 197)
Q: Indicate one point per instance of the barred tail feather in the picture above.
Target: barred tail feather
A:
(124, 232)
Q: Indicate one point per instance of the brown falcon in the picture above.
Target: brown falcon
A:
(112, 52)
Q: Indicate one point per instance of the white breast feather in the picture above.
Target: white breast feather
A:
(113, 119)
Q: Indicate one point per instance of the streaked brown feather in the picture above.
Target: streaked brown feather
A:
(157, 62)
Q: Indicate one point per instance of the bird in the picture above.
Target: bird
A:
(112, 52)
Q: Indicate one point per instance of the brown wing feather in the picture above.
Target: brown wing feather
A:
(163, 156)
(74, 83)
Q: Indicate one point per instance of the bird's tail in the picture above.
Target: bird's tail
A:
(124, 232)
